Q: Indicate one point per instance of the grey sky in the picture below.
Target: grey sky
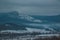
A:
(31, 7)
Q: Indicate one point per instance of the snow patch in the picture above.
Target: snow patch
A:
(37, 30)
(29, 18)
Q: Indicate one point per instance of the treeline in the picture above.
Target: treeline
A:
(49, 38)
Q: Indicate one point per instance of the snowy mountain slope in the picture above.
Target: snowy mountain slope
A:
(51, 19)
(29, 18)
(14, 18)
(28, 30)
(37, 30)
(23, 17)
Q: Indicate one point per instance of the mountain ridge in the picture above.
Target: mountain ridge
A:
(15, 18)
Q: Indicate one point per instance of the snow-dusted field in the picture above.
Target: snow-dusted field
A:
(31, 34)
(33, 37)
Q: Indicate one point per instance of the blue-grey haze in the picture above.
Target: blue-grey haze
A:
(31, 7)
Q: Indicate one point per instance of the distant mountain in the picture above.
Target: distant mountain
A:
(16, 21)
(55, 18)
(11, 26)
(11, 17)
(15, 17)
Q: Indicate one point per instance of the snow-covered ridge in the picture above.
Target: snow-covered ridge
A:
(30, 21)
(24, 17)
(51, 27)
(37, 30)
(29, 18)
(13, 31)
(29, 30)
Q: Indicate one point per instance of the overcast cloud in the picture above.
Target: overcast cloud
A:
(31, 7)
